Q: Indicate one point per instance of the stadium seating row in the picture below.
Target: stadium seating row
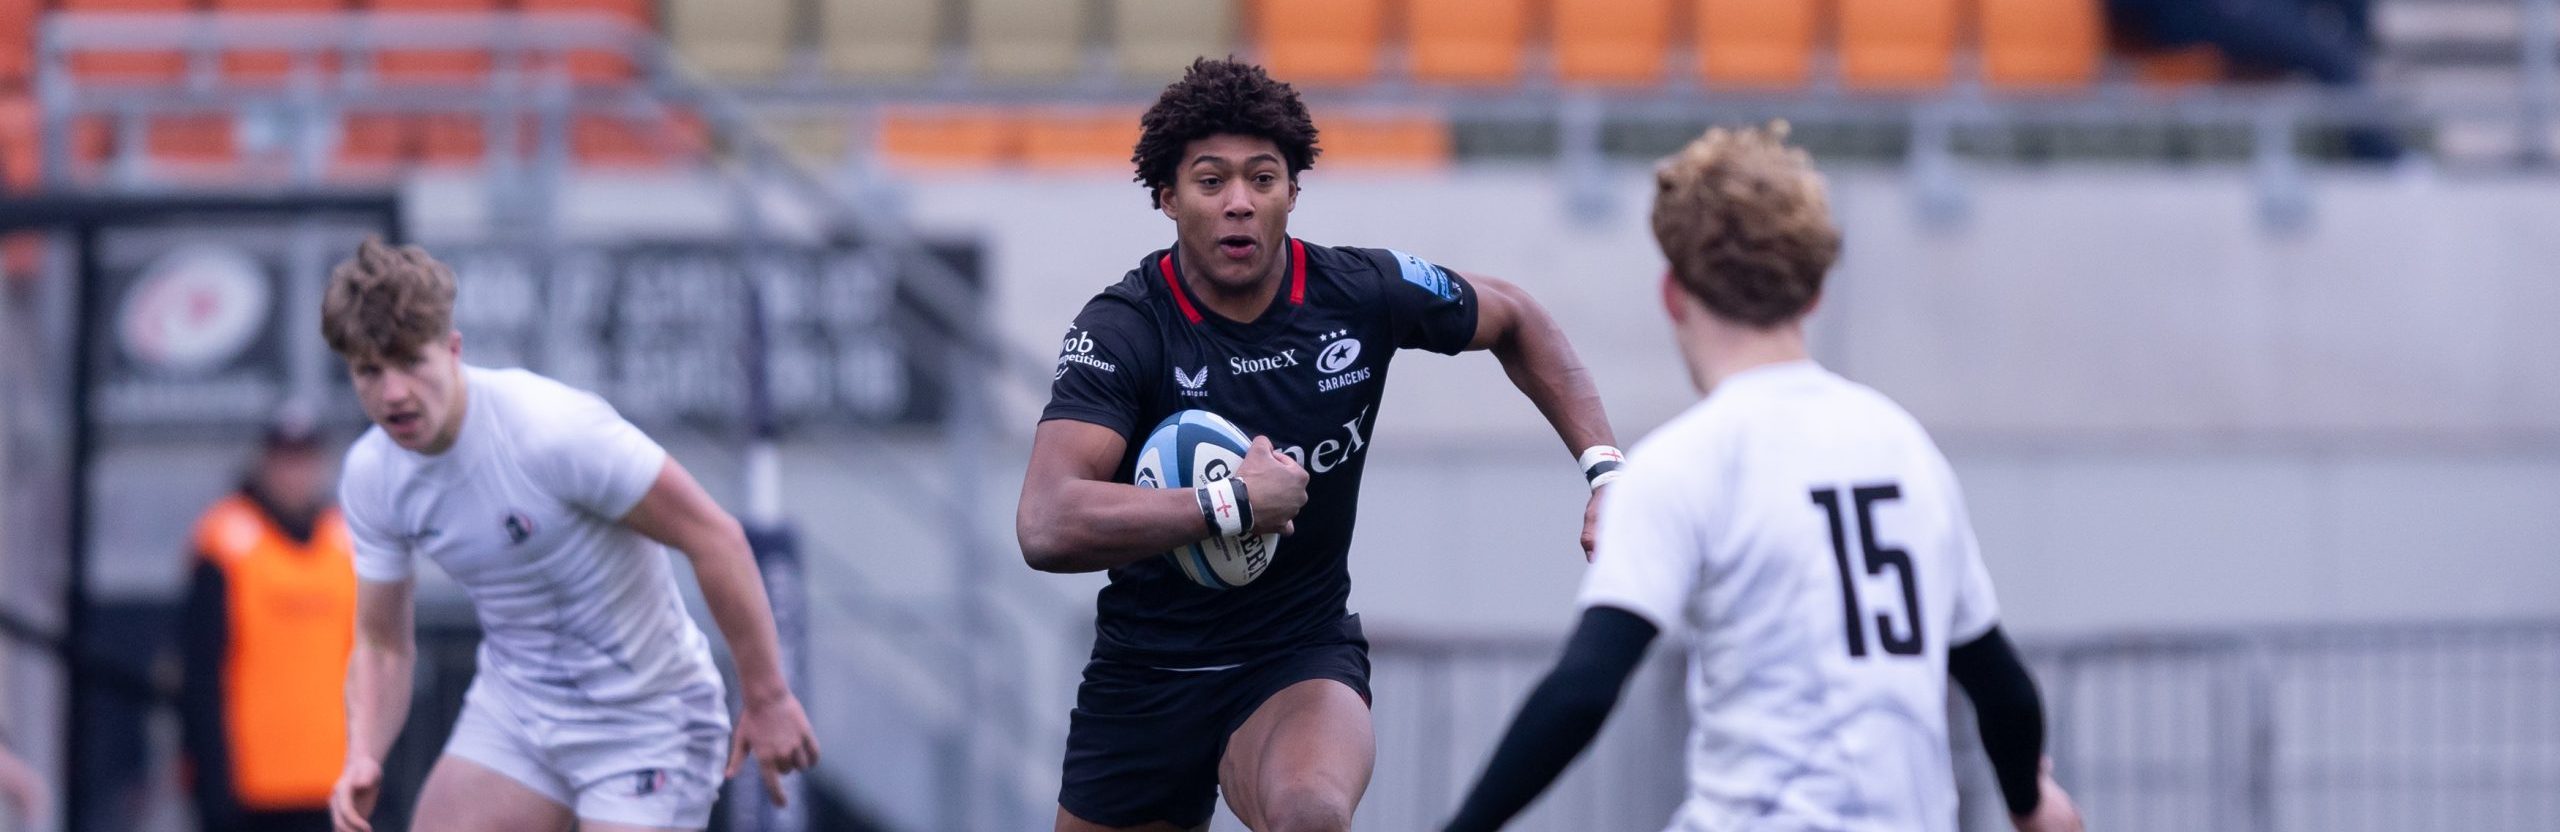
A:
(367, 142)
(1881, 44)
(1876, 46)
(1052, 138)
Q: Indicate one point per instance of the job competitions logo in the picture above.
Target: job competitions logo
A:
(1079, 350)
(1338, 355)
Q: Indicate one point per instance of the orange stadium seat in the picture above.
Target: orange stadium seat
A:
(1611, 41)
(1466, 41)
(432, 66)
(1897, 44)
(589, 66)
(271, 65)
(881, 38)
(1320, 41)
(1026, 40)
(1085, 139)
(21, 151)
(203, 139)
(93, 141)
(617, 142)
(2187, 66)
(371, 143)
(103, 65)
(17, 42)
(450, 140)
(819, 140)
(1154, 40)
(948, 138)
(2042, 43)
(732, 39)
(1384, 141)
(1757, 43)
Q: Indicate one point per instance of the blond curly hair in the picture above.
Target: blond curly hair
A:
(387, 303)
(1743, 218)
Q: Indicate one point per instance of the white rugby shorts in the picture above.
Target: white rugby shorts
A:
(653, 763)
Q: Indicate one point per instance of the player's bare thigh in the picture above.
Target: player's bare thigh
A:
(1302, 761)
(1068, 822)
(464, 796)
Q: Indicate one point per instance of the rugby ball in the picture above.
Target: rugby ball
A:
(1186, 450)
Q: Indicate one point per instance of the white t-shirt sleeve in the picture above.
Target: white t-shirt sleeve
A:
(594, 459)
(1650, 553)
(1976, 608)
(379, 555)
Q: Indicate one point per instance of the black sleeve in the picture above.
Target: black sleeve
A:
(1560, 718)
(1104, 366)
(204, 643)
(2011, 715)
(1428, 306)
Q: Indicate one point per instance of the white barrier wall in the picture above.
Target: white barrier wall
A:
(2167, 415)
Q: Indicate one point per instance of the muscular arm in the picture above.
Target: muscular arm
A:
(678, 513)
(772, 727)
(1074, 518)
(1534, 352)
(386, 652)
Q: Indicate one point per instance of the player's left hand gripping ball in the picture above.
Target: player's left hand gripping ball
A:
(776, 731)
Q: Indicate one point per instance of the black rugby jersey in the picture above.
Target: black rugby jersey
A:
(1308, 373)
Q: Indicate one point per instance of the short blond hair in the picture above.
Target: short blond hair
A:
(386, 303)
(1743, 218)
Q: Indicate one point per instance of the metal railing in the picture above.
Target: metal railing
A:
(2333, 728)
(2378, 726)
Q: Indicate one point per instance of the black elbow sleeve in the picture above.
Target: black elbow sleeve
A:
(2010, 713)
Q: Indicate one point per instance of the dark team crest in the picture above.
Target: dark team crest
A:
(519, 527)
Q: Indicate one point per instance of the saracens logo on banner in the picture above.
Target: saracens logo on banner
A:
(194, 309)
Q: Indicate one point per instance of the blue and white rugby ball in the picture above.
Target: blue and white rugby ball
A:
(1186, 450)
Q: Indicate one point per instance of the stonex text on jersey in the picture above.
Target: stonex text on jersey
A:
(1308, 372)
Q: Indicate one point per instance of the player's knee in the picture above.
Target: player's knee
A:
(1297, 808)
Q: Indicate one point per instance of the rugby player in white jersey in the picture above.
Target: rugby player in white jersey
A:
(1803, 536)
(596, 703)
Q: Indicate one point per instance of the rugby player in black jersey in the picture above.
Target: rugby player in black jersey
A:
(1261, 689)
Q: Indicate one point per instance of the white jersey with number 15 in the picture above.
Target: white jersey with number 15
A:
(1808, 541)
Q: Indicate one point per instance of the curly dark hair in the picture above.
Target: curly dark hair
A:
(1214, 97)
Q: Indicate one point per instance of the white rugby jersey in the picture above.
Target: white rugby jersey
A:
(1807, 540)
(575, 610)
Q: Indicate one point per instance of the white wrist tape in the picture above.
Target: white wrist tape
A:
(1218, 500)
(1601, 464)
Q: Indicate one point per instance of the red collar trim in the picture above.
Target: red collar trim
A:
(1297, 271)
(1182, 298)
(1174, 282)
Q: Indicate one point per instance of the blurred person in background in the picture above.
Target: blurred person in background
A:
(595, 701)
(28, 797)
(269, 622)
(1805, 540)
(2328, 40)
